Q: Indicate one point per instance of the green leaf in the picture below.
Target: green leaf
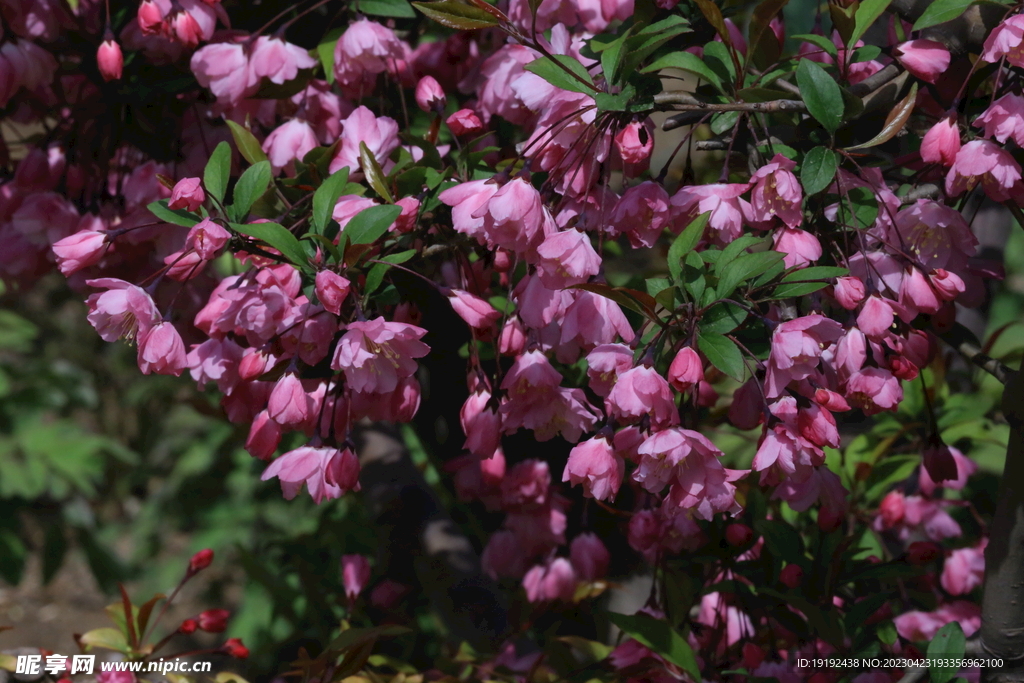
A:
(218, 170)
(250, 187)
(684, 244)
(13, 554)
(107, 638)
(375, 277)
(818, 170)
(722, 318)
(745, 267)
(569, 76)
(387, 8)
(611, 56)
(325, 52)
(816, 273)
(865, 207)
(173, 216)
(401, 257)
(764, 47)
(723, 354)
(592, 650)
(278, 237)
(457, 15)
(247, 144)
(685, 61)
(374, 173)
(867, 13)
(660, 637)
(717, 56)
(887, 633)
(948, 643)
(369, 224)
(888, 473)
(651, 37)
(941, 11)
(821, 94)
(821, 41)
(781, 539)
(326, 196)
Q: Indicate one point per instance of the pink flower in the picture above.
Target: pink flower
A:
(891, 509)
(81, 250)
(642, 213)
(289, 141)
(554, 581)
(466, 199)
(964, 569)
(481, 424)
(264, 437)
(926, 59)
(686, 369)
(965, 467)
(464, 122)
(800, 247)
(224, 69)
(595, 464)
(662, 452)
(635, 142)
(985, 162)
(942, 141)
(379, 134)
(150, 18)
(185, 28)
(187, 194)
(796, 349)
(327, 472)
(642, 391)
(124, 311)
(503, 556)
(947, 285)
(593, 319)
(922, 626)
(406, 221)
(1004, 119)
(604, 365)
(476, 312)
(513, 216)
(873, 390)
(277, 61)
(110, 60)
(430, 95)
(567, 258)
(161, 350)
(589, 557)
(876, 317)
(207, 238)
(849, 292)
(331, 290)
(723, 201)
(1007, 40)
(364, 50)
(375, 354)
(355, 574)
(777, 192)
(290, 405)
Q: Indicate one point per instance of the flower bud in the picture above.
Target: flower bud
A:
(923, 552)
(188, 626)
(429, 95)
(464, 122)
(234, 648)
(151, 19)
(332, 290)
(355, 574)
(213, 620)
(686, 369)
(849, 292)
(792, 576)
(187, 194)
(200, 560)
(738, 535)
(110, 59)
(892, 509)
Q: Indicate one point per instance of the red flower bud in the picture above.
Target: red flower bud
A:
(214, 620)
(234, 648)
(200, 560)
(110, 59)
(923, 552)
(188, 626)
(792, 576)
(738, 535)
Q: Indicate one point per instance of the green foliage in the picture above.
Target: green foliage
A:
(821, 94)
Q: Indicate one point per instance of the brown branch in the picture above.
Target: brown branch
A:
(684, 101)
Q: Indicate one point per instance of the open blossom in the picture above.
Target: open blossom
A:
(595, 464)
(567, 258)
(555, 581)
(800, 247)
(364, 50)
(124, 311)
(187, 194)
(1007, 40)
(796, 350)
(776, 193)
(224, 69)
(723, 201)
(277, 61)
(642, 213)
(1004, 119)
(380, 134)
(161, 350)
(328, 473)
(288, 142)
(375, 354)
(985, 162)
(642, 391)
(477, 313)
(964, 569)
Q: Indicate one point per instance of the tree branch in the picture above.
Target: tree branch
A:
(684, 101)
